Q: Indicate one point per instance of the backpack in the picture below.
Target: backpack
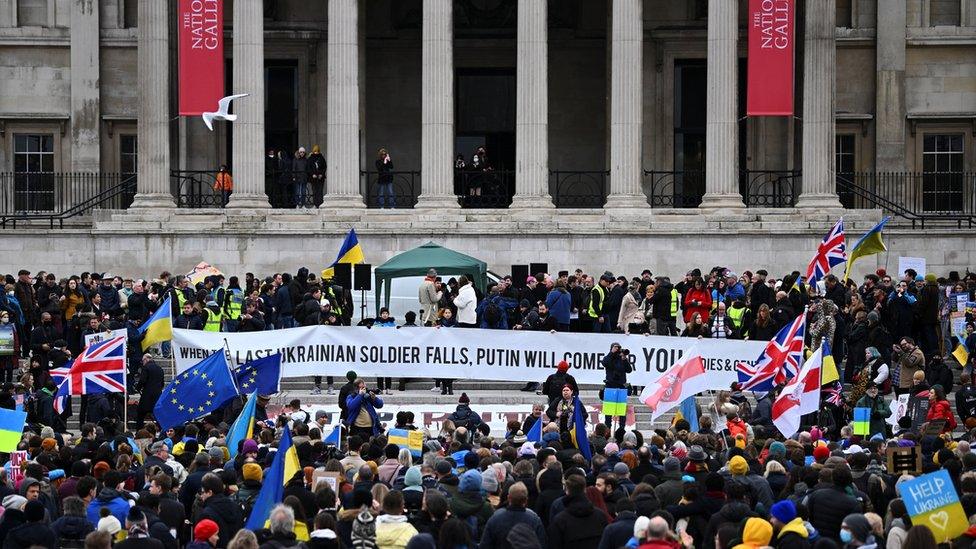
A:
(246, 504)
(493, 313)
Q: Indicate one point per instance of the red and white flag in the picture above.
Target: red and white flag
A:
(800, 396)
(685, 378)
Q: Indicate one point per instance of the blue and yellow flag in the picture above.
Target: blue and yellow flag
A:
(961, 352)
(349, 252)
(159, 327)
(869, 244)
(411, 440)
(615, 402)
(198, 391)
(578, 431)
(862, 422)
(243, 427)
(688, 411)
(828, 367)
(283, 468)
(11, 428)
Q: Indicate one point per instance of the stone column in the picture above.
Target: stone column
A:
(532, 108)
(153, 129)
(721, 104)
(248, 145)
(437, 107)
(819, 183)
(626, 114)
(342, 148)
(890, 106)
(85, 113)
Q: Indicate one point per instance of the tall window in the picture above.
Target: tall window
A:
(33, 177)
(942, 178)
(130, 13)
(944, 13)
(844, 13)
(128, 155)
(31, 13)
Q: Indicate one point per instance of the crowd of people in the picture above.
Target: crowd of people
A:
(734, 481)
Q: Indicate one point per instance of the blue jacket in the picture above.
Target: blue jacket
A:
(355, 401)
(560, 305)
(388, 323)
(506, 304)
(735, 292)
(282, 301)
(110, 300)
(108, 497)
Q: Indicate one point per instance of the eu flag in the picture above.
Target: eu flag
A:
(198, 391)
(262, 375)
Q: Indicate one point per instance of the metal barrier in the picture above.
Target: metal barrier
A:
(491, 189)
(674, 189)
(399, 190)
(579, 189)
(56, 196)
(770, 188)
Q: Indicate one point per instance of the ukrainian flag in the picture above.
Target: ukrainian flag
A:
(159, 327)
(243, 427)
(11, 429)
(828, 367)
(578, 431)
(869, 244)
(961, 353)
(350, 252)
(411, 440)
(282, 469)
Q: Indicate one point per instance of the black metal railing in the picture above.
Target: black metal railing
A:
(579, 189)
(490, 189)
(393, 190)
(916, 196)
(195, 189)
(674, 189)
(56, 196)
(769, 188)
(294, 189)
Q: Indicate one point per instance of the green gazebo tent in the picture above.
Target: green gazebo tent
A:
(417, 261)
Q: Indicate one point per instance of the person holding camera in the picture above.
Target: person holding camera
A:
(616, 366)
(361, 405)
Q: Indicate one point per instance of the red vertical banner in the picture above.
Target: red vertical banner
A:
(201, 37)
(770, 78)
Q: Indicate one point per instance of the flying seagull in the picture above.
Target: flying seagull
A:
(222, 106)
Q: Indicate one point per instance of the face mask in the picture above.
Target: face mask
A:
(846, 536)
(11, 294)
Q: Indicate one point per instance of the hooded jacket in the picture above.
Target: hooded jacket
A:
(111, 498)
(793, 535)
(560, 305)
(463, 416)
(227, 514)
(71, 527)
(732, 512)
(580, 525)
(29, 534)
(355, 401)
(393, 531)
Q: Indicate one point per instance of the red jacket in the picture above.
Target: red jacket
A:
(942, 410)
(704, 297)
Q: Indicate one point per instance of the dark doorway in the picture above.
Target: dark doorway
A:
(485, 116)
(689, 131)
(281, 106)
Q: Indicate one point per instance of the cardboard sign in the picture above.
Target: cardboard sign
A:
(918, 409)
(932, 500)
(899, 409)
(17, 460)
(916, 263)
(906, 460)
(329, 477)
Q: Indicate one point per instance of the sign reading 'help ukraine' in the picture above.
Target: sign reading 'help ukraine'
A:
(932, 500)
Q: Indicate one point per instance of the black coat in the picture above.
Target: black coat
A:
(760, 293)
(150, 386)
(827, 508)
(227, 514)
(580, 526)
(30, 535)
(140, 543)
(619, 533)
(732, 512)
(553, 386)
(71, 528)
(615, 371)
(938, 373)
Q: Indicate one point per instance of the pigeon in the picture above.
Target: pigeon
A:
(222, 106)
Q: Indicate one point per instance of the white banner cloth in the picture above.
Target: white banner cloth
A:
(458, 353)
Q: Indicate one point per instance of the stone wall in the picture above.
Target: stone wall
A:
(284, 241)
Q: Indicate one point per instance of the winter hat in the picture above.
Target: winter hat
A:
(783, 510)
(442, 467)
(738, 465)
(611, 449)
(109, 524)
(821, 453)
(630, 438)
(859, 526)
(621, 469)
(919, 278)
(527, 449)
(679, 450)
(470, 481)
(13, 501)
(777, 449)
(464, 399)
(252, 471)
(489, 482)
(930, 277)
(413, 477)
(351, 375)
(640, 526)
(873, 317)
(815, 434)
(756, 533)
(519, 438)
(672, 465)
(433, 445)
(204, 529)
(49, 444)
(562, 366)
(250, 446)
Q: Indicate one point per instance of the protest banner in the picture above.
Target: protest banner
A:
(915, 263)
(106, 335)
(6, 339)
(17, 460)
(899, 409)
(461, 354)
(932, 500)
(200, 272)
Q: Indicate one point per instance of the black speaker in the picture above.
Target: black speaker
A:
(343, 275)
(363, 277)
(519, 274)
(536, 268)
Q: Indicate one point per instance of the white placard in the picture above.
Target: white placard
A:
(106, 335)
(905, 263)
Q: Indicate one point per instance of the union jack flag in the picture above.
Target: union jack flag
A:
(100, 368)
(58, 375)
(779, 361)
(832, 251)
(833, 394)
